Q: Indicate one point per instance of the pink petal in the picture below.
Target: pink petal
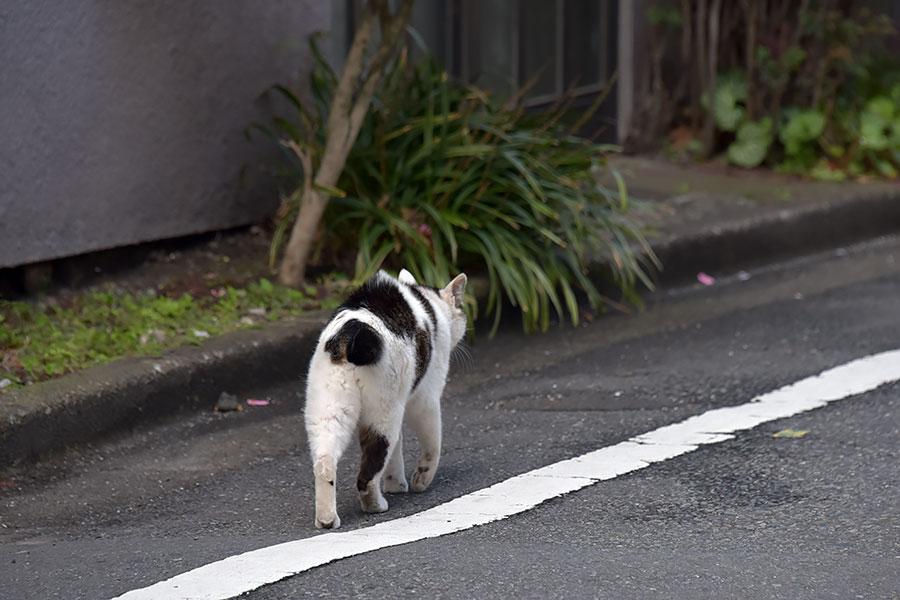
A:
(705, 279)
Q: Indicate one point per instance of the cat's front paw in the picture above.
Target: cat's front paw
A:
(372, 503)
(328, 522)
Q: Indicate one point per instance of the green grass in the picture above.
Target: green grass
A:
(41, 340)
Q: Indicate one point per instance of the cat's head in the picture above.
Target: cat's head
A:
(452, 295)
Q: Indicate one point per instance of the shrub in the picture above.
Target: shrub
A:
(443, 179)
(832, 102)
(803, 87)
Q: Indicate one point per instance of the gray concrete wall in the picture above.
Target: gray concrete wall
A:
(121, 121)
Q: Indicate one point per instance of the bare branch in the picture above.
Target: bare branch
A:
(345, 133)
(353, 67)
(390, 35)
(361, 105)
(306, 161)
(384, 13)
(352, 98)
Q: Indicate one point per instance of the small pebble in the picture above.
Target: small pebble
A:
(228, 402)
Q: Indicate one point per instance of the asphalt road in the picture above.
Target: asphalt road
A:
(758, 516)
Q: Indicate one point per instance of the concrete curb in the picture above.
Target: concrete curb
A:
(81, 407)
(778, 234)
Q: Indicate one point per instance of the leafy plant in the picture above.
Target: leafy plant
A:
(730, 98)
(850, 137)
(818, 70)
(800, 127)
(751, 143)
(443, 178)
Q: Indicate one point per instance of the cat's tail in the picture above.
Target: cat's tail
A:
(355, 342)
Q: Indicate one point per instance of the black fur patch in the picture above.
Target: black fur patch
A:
(423, 354)
(374, 448)
(425, 304)
(423, 336)
(356, 342)
(383, 298)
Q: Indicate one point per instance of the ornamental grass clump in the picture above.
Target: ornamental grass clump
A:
(444, 179)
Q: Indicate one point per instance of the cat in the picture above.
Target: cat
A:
(383, 356)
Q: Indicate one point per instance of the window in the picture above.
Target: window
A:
(558, 46)
(555, 45)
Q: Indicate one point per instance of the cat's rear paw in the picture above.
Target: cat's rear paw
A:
(393, 485)
(421, 478)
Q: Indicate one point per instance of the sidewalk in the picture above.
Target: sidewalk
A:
(707, 219)
(713, 219)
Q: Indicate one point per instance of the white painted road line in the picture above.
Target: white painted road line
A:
(246, 572)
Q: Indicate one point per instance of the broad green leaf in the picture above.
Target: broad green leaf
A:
(800, 128)
(751, 144)
(728, 112)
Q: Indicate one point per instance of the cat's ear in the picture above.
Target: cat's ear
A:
(406, 277)
(453, 293)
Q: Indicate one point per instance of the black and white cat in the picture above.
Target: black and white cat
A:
(382, 357)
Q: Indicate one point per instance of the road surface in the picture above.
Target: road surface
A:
(811, 513)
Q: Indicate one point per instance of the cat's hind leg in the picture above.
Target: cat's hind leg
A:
(394, 474)
(331, 416)
(424, 416)
(377, 439)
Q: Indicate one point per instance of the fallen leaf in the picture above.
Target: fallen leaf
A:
(790, 433)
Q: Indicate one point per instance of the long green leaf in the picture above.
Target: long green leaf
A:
(503, 191)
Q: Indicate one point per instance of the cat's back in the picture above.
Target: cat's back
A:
(386, 323)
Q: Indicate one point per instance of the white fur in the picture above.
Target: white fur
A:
(342, 399)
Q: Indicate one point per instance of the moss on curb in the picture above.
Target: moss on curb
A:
(42, 340)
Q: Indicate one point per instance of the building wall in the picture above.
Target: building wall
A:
(123, 121)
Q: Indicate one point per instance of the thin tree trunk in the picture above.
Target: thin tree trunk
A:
(711, 63)
(351, 100)
(688, 62)
(700, 68)
(750, 10)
